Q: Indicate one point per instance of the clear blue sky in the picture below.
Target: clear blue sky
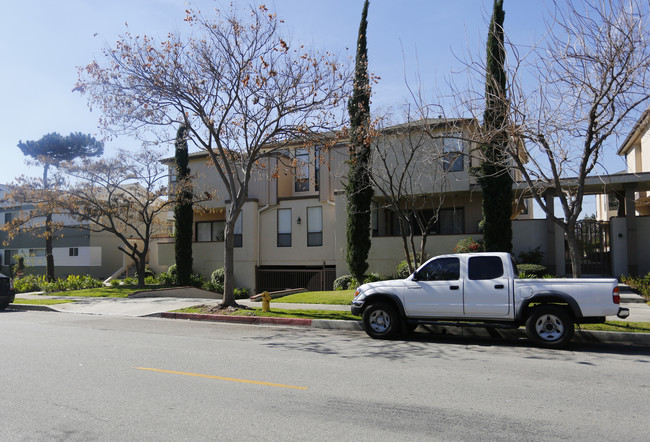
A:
(44, 41)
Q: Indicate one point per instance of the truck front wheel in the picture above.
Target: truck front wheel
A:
(549, 326)
(380, 321)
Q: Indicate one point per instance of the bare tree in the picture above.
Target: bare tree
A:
(239, 85)
(582, 86)
(125, 195)
(410, 175)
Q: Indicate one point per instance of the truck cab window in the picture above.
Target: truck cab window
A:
(443, 269)
(485, 267)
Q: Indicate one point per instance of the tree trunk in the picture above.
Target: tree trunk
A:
(574, 252)
(140, 267)
(49, 255)
(228, 266)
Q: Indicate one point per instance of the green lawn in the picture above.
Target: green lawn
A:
(619, 326)
(280, 313)
(42, 301)
(339, 297)
(120, 291)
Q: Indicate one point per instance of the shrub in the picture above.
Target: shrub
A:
(115, 282)
(534, 256)
(535, 270)
(170, 277)
(196, 280)
(469, 245)
(641, 285)
(402, 270)
(29, 283)
(342, 282)
(218, 276)
(348, 282)
(212, 287)
(130, 281)
(241, 293)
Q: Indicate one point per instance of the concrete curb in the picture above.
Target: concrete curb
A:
(32, 307)
(581, 336)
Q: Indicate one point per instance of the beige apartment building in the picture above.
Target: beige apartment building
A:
(292, 231)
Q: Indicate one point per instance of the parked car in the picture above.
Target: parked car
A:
(483, 290)
(7, 292)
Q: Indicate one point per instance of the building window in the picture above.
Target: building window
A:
(9, 256)
(612, 202)
(451, 221)
(452, 146)
(72, 251)
(302, 170)
(284, 227)
(238, 240)
(314, 226)
(8, 217)
(210, 231)
(38, 252)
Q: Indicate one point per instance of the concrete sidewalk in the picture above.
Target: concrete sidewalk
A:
(148, 304)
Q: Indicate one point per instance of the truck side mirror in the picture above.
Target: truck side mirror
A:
(415, 276)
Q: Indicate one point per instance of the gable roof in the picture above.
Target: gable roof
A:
(637, 131)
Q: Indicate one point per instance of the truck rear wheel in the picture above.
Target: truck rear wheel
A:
(549, 326)
(380, 321)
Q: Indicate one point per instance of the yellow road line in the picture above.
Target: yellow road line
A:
(269, 384)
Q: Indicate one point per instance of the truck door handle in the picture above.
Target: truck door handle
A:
(453, 287)
(498, 286)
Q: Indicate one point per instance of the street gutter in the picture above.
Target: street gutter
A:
(581, 336)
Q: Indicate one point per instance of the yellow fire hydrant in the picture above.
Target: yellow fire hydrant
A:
(266, 302)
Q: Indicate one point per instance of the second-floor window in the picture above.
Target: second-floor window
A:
(302, 170)
(72, 251)
(209, 231)
(452, 146)
(307, 171)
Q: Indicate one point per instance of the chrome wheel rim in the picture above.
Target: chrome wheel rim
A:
(379, 321)
(549, 327)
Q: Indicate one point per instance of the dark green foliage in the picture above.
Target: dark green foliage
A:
(638, 284)
(342, 282)
(218, 276)
(55, 148)
(532, 256)
(494, 178)
(358, 189)
(183, 212)
(537, 270)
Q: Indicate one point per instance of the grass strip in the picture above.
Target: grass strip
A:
(619, 326)
(120, 291)
(42, 301)
(334, 297)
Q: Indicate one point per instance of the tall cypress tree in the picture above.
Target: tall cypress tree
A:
(183, 213)
(359, 190)
(494, 177)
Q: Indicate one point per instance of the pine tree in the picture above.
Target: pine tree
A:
(51, 150)
(358, 190)
(494, 178)
(183, 213)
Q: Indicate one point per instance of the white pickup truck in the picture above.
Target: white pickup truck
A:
(483, 290)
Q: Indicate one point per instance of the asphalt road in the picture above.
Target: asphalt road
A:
(82, 377)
